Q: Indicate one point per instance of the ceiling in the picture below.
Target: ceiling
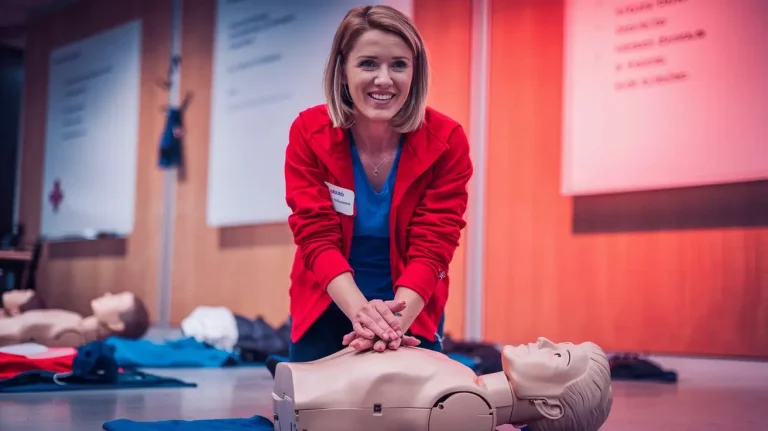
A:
(16, 14)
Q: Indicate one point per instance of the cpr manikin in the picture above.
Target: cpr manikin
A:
(547, 386)
(122, 314)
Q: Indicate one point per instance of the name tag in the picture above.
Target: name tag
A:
(343, 199)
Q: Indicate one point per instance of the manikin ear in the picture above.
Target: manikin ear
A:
(117, 326)
(549, 408)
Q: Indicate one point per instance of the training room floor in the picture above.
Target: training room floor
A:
(711, 394)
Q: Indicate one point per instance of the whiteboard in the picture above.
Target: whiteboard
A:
(664, 94)
(268, 62)
(89, 175)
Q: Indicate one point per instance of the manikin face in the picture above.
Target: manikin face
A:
(109, 307)
(544, 369)
(378, 72)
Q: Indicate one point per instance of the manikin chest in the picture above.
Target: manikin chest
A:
(407, 389)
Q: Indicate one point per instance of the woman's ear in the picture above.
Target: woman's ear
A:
(549, 408)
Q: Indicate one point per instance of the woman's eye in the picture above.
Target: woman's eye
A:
(367, 63)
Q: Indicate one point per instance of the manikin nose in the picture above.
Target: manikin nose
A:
(546, 344)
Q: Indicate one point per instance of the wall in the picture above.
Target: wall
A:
(73, 273)
(679, 271)
(11, 79)
(247, 268)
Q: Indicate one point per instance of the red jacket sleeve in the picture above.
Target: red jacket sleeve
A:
(435, 228)
(316, 226)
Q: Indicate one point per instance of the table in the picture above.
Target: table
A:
(16, 255)
(14, 263)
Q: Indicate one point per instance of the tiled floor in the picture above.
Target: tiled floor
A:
(711, 395)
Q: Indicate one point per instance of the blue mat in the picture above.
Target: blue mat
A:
(43, 381)
(256, 423)
(182, 353)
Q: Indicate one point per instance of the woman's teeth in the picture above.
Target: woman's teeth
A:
(381, 96)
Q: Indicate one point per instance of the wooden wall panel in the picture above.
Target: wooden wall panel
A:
(666, 287)
(446, 27)
(73, 273)
(247, 268)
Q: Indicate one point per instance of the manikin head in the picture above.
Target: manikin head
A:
(569, 384)
(377, 70)
(121, 314)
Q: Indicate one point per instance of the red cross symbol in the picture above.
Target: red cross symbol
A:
(56, 196)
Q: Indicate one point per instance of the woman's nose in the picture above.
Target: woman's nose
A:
(383, 77)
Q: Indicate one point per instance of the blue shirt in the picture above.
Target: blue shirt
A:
(369, 256)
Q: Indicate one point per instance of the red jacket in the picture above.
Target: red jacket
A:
(427, 216)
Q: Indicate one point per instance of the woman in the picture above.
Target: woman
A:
(377, 185)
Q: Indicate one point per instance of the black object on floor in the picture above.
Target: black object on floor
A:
(486, 356)
(94, 367)
(46, 381)
(629, 366)
(257, 339)
(272, 361)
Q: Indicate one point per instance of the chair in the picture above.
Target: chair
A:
(31, 272)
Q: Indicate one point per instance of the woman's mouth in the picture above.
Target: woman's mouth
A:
(381, 97)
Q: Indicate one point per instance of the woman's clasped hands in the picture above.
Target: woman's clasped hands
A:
(376, 325)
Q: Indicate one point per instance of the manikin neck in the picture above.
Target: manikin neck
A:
(509, 409)
(92, 329)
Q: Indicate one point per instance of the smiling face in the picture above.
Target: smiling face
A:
(544, 369)
(378, 73)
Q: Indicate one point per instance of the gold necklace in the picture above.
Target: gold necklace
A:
(376, 167)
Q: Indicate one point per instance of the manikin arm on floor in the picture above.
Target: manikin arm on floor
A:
(556, 387)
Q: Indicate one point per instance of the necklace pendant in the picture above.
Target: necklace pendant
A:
(376, 172)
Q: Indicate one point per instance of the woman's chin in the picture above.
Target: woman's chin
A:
(377, 113)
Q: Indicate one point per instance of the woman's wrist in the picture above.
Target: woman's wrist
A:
(414, 303)
(345, 293)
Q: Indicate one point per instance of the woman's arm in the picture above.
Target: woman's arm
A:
(346, 294)
(369, 318)
(434, 234)
(316, 226)
(435, 227)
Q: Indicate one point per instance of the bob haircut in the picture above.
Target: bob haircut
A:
(358, 21)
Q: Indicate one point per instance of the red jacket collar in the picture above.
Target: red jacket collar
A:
(421, 149)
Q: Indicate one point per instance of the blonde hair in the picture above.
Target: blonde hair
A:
(586, 402)
(358, 21)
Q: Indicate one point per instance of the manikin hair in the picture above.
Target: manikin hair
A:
(136, 320)
(586, 402)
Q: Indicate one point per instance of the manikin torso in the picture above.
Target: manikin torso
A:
(52, 328)
(410, 388)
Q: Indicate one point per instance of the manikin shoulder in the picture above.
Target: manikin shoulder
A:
(52, 315)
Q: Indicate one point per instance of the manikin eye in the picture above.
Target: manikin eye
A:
(558, 355)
